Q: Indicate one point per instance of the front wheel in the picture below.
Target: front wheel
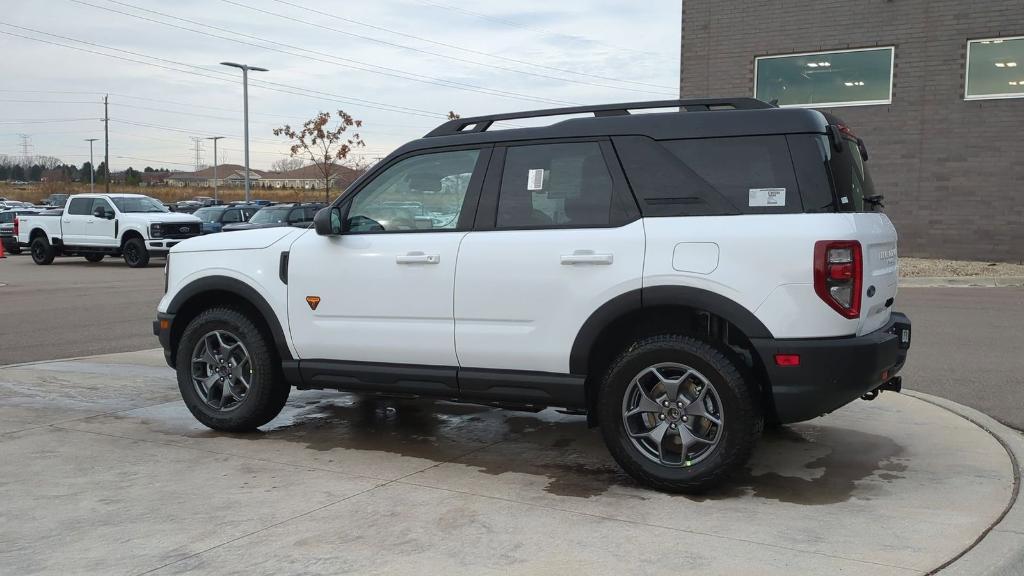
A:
(227, 373)
(135, 253)
(42, 252)
(94, 257)
(678, 414)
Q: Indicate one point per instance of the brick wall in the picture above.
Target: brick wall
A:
(952, 171)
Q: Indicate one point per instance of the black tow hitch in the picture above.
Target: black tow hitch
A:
(894, 384)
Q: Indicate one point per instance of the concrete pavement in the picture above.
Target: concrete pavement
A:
(103, 470)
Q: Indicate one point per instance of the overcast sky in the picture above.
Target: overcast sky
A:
(399, 65)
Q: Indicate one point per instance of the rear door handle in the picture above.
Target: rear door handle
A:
(587, 257)
(418, 258)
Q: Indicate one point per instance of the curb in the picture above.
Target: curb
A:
(961, 282)
(999, 551)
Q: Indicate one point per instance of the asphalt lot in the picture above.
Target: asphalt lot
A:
(967, 341)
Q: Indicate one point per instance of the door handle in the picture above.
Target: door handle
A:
(587, 257)
(418, 258)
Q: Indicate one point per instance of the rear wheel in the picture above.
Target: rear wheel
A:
(135, 253)
(42, 252)
(226, 371)
(677, 413)
(94, 257)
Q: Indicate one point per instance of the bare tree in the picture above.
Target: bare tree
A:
(287, 164)
(453, 116)
(324, 146)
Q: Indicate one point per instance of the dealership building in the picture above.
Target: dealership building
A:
(935, 88)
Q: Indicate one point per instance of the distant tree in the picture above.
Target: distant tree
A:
(324, 146)
(35, 173)
(102, 172)
(287, 164)
(5, 172)
(132, 177)
(85, 173)
(453, 116)
(17, 172)
(147, 169)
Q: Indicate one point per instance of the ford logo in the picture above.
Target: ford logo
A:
(184, 229)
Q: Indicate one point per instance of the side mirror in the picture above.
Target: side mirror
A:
(327, 221)
(99, 212)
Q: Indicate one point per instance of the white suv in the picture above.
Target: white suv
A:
(680, 277)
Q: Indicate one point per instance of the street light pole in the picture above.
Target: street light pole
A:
(92, 167)
(215, 138)
(245, 98)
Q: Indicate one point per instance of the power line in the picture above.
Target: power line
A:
(273, 86)
(440, 55)
(46, 120)
(337, 60)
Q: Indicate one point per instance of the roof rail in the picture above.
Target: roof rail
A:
(482, 123)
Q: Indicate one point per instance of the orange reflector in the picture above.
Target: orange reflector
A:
(165, 324)
(787, 359)
(313, 302)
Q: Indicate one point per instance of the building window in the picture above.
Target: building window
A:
(995, 68)
(840, 78)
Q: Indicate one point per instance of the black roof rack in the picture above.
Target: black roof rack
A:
(482, 123)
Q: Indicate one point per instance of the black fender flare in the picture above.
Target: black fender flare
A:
(659, 296)
(243, 291)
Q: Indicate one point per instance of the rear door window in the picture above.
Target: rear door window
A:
(231, 216)
(80, 207)
(555, 185)
(754, 173)
(850, 176)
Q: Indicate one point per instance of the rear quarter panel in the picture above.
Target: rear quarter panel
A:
(764, 262)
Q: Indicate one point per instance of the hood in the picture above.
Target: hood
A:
(164, 217)
(251, 226)
(245, 240)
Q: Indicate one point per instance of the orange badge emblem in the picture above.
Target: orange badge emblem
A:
(313, 302)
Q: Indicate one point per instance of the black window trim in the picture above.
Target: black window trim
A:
(622, 210)
(470, 202)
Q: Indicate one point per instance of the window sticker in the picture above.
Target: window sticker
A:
(535, 180)
(767, 197)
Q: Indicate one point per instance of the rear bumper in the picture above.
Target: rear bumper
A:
(833, 371)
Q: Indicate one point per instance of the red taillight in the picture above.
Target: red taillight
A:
(787, 359)
(838, 273)
(15, 226)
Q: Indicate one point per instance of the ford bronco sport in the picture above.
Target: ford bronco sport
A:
(681, 277)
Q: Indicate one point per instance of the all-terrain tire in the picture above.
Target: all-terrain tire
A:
(267, 391)
(741, 413)
(42, 252)
(135, 253)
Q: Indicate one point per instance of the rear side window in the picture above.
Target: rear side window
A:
(232, 216)
(555, 185)
(80, 206)
(851, 179)
(754, 173)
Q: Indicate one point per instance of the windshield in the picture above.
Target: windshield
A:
(210, 215)
(137, 204)
(271, 216)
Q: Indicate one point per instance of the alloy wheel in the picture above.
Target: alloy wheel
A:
(221, 370)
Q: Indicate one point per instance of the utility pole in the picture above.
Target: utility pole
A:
(245, 98)
(92, 167)
(106, 142)
(215, 138)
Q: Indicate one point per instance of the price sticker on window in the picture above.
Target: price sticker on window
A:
(766, 197)
(535, 179)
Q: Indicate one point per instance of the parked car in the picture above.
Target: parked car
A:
(207, 201)
(300, 215)
(681, 277)
(215, 217)
(55, 200)
(8, 230)
(9, 204)
(187, 206)
(96, 225)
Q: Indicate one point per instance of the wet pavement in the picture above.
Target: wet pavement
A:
(103, 470)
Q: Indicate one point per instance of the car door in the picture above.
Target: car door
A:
(73, 220)
(230, 216)
(100, 231)
(381, 292)
(558, 235)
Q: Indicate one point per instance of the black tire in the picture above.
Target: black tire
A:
(42, 252)
(94, 257)
(267, 392)
(135, 253)
(740, 410)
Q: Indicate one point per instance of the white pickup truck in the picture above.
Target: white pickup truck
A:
(96, 225)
